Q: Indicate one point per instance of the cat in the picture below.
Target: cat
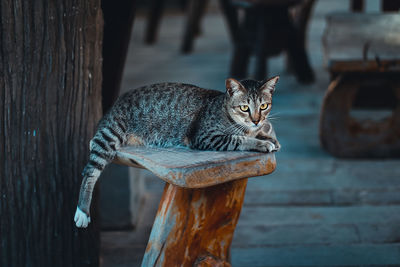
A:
(181, 115)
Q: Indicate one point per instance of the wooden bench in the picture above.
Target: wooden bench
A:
(362, 54)
(201, 202)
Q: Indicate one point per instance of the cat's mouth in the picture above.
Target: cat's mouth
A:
(254, 127)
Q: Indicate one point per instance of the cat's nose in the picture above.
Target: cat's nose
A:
(256, 122)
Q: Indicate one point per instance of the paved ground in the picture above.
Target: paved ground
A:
(314, 210)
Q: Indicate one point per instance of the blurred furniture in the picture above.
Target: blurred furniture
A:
(195, 10)
(267, 28)
(362, 54)
(118, 23)
(387, 5)
(201, 203)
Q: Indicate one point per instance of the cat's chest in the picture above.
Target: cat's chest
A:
(264, 130)
(254, 133)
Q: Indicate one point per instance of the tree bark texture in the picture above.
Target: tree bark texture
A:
(50, 102)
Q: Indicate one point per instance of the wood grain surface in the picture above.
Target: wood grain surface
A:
(197, 169)
(194, 227)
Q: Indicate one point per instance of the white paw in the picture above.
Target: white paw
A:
(81, 219)
(271, 147)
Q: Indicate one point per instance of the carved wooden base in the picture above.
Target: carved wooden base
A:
(194, 227)
(344, 136)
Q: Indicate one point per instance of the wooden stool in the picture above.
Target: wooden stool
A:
(362, 53)
(201, 202)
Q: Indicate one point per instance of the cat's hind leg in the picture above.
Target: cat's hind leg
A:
(82, 214)
(103, 149)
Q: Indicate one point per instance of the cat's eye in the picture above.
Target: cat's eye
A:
(244, 108)
(264, 106)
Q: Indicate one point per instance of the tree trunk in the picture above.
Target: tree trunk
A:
(50, 102)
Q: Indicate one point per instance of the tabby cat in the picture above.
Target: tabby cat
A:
(181, 115)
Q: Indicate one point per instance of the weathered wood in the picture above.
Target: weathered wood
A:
(371, 57)
(374, 45)
(330, 174)
(192, 224)
(267, 225)
(194, 168)
(50, 102)
(344, 136)
(317, 255)
(334, 215)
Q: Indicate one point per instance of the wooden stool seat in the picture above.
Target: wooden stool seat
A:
(201, 203)
(362, 53)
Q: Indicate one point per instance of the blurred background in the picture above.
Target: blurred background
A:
(338, 206)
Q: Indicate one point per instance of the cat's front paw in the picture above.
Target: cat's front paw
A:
(277, 146)
(81, 219)
(267, 146)
(270, 146)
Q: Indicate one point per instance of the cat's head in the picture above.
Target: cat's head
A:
(249, 102)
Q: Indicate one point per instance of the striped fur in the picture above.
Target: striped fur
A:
(174, 114)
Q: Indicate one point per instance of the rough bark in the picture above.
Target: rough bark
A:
(50, 102)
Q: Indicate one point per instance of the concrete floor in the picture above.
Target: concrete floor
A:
(314, 210)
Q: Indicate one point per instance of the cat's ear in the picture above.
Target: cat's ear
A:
(269, 85)
(233, 86)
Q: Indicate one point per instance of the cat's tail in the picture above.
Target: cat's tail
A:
(103, 147)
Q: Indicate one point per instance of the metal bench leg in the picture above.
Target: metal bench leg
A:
(194, 227)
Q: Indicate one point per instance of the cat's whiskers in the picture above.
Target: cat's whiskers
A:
(235, 128)
(273, 116)
(244, 129)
